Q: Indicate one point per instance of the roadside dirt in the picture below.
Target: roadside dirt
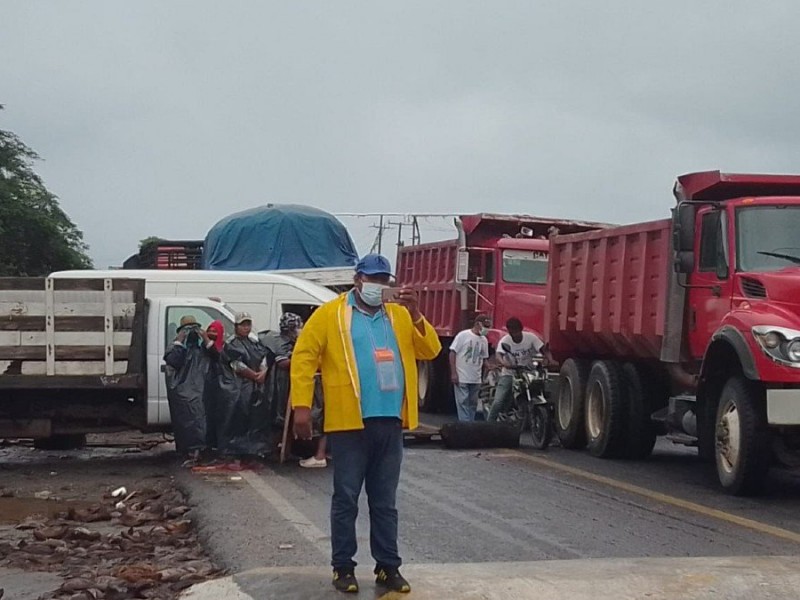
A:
(108, 519)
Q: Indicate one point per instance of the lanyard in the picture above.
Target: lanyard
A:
(384, 317)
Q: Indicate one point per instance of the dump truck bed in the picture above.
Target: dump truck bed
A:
(607, 292)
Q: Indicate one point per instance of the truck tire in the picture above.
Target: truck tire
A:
(606, 410)
(72, 441)
(640, 430)
(570, 403)
(426, 386)
(742, 451)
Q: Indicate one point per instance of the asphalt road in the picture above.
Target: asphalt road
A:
(505, 505)
(473, 514)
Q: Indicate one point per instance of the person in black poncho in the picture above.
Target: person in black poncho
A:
(243, 412)
(188, 362)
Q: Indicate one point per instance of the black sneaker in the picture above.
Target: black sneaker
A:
(344, 580)
(390, 578)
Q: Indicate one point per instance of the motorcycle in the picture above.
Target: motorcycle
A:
(529, 407)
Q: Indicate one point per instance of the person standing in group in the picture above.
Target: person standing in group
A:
(216, 341)
(468, 354)
(281, 344)
(188, 363)
(244, 418)
(367, 352)
(523, 348)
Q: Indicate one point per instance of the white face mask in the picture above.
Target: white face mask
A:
(371, 293)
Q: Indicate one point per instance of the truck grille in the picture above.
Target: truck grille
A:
(752, 288)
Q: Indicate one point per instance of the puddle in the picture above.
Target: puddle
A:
(14, 510)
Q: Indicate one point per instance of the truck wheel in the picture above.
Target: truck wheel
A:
(640, 434)
(742, 438)
(73, 441)
(569, 403)
(425, 386)
(606, 410)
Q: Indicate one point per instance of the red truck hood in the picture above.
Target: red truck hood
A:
(782, 287)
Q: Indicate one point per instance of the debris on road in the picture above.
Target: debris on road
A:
(144, 549)
(119, 492)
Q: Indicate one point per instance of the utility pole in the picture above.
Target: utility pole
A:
(399, 225)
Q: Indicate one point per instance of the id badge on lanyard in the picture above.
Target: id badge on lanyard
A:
(385, 367)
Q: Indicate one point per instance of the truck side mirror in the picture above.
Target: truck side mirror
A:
(684, 262)
(683, 219)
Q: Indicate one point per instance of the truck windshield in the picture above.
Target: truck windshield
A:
(524, 266)
(768, 238)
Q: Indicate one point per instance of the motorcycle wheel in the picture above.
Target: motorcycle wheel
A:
(540, 426)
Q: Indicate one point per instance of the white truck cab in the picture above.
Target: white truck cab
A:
(164, 316)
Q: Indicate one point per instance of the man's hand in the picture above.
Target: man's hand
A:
(204, 334)
(261, 376)
(302, 423)
(408, 298)
(454, 378)
(181, 336)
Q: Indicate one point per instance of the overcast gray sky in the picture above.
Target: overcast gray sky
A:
(159, 118)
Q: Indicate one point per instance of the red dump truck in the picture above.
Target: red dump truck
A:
(496, 266)
(688, 327)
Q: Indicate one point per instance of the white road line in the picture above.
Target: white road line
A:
(303, 525)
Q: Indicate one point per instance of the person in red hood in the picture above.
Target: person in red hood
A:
(215, 333)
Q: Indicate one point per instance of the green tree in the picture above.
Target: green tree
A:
(36, 236)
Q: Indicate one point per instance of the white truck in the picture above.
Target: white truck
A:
(265, 295)
(81, 356)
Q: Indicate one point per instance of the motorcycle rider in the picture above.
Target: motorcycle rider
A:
(516, 349)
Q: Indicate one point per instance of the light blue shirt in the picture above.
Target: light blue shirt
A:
(370, 332)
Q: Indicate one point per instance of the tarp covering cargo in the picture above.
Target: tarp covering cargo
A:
(278, 236)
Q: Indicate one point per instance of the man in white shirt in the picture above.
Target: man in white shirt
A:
(524, 347)
(468, 353)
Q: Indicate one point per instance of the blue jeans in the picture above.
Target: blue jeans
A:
(371, 458)
(502, 397)
(466, 395)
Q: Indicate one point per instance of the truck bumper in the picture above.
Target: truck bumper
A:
(783, 407)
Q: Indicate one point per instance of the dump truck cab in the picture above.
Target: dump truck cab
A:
(737, 247)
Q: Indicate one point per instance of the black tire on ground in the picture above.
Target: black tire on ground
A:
(742, 450)
(570, 403)
(606, 410)
(479, 434)
(640, 430)
(72, 441)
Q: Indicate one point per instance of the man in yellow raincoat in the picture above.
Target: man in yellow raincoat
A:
(366, 349)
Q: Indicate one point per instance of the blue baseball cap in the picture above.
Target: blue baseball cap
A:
(374, 264)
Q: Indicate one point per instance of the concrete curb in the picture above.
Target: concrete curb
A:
(729, 578)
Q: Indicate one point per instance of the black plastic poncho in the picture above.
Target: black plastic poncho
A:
(187, 368)
(243, 412)
(277, 383)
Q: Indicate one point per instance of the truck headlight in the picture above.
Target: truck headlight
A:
(780, 344)
(793, 350)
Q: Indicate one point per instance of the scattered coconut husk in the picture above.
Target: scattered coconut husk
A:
(147, 550)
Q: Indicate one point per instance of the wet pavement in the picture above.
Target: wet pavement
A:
(533, 517)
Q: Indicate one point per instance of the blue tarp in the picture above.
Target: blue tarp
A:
(278, 236)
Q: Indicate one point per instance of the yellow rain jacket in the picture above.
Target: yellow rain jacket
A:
(326, 344)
